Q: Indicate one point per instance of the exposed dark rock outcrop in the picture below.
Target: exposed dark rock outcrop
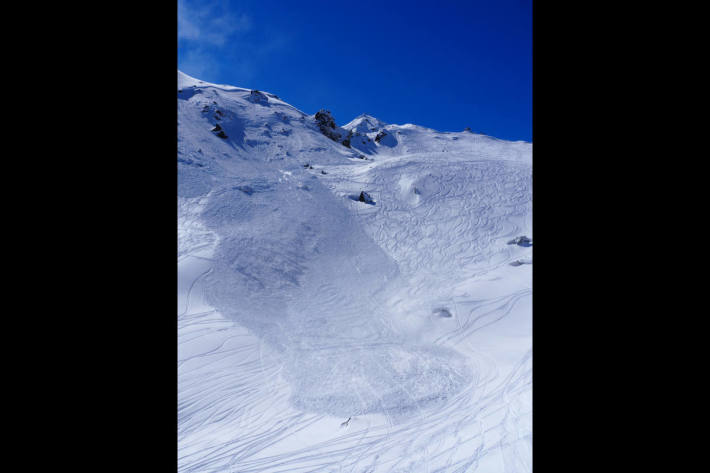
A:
(365, 197)
(326, 125)
(246, 189)
(346, 141)
(219, 132)
(325, 119)
(256, 96)
(521, 241)
(385, 138)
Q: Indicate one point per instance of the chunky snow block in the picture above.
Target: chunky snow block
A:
(521, 262)
(443, 312)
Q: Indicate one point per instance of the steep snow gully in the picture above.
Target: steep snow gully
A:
(317, 332)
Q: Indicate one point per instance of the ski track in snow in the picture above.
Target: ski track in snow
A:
(299, 307)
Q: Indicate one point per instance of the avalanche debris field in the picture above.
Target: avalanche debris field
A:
(319, 333)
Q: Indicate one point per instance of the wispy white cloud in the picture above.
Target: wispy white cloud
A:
(218, 41)
(199, 63)
(209, 22)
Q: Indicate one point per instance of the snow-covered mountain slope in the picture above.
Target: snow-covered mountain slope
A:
(365, 124)
(371, 135)
(318, 332)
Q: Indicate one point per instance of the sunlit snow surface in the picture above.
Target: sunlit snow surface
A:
(320, 333)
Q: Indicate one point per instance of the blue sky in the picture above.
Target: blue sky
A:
(444, 65)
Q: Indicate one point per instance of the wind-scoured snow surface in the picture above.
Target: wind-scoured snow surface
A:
(320, 333)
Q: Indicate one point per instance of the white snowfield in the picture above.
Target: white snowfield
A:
(320, 333)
